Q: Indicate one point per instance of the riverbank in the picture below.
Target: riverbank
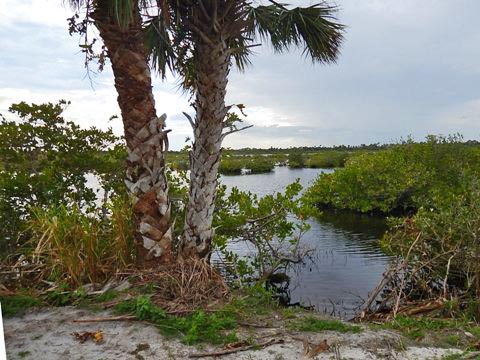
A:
(49, 333)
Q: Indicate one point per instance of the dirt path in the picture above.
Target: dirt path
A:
(47, 334)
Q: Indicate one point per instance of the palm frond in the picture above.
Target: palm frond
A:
(159, 46)
(315, 28)
(122, 11)
(241, 52)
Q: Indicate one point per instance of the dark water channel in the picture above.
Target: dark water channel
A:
(347, 262)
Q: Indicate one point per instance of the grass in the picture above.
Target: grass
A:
(446, 332)
(77, 248)
(13, 305)
(198, 327)
(312, 324)
(415, 328)
(253, 305)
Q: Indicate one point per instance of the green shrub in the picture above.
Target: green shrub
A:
(401, 178)
(447, 239)
(296, 160)
(260, 164)
(231, 166)
(327, 159)
(43, 162)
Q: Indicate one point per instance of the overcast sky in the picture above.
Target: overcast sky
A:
(407, 67)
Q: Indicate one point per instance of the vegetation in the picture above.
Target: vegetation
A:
(79, 248)
(445, 238)
(12, 305)
(435, 186)
(44, 161)
(256, 161)
(417, 328)
(399, 179)
(272, 224)
(194, 328)
(251, 165)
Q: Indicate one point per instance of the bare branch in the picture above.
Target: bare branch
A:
(235, 130)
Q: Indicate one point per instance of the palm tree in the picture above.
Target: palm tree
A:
(120, 26)
(199, 40)
(208, 36)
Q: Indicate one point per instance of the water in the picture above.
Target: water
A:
(347, 261)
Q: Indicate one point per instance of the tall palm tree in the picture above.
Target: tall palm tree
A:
(120, 26)
(209, 36)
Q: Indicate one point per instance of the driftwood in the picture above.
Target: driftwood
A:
(243, 348)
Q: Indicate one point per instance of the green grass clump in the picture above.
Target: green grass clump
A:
(195, 328)
(312, 324)
(13, 305)
(252, 301)
(415, 328)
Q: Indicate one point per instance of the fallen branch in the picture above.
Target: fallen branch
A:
(381, 285)
(243, 348)
(259, 326)
(114, 318)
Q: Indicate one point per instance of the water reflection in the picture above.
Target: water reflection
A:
(347, 262)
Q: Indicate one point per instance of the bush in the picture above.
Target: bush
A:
(402, 178)
(43, 162)
(231, 166)
(273, 225)
(442, 245)
(296, 160)
(327, 159)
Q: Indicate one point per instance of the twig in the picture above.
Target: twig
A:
(259, 326)
(386, 278)
(235, 130)
(243, 348)
(114, 318)
(446, 276)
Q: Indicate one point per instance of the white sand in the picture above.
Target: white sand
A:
(47, 334)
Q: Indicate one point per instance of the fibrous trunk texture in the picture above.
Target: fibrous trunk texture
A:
(144, 133)
(212, 64)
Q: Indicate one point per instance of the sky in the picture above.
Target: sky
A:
(407, 68)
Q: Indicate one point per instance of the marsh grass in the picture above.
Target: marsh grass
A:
(76, 248)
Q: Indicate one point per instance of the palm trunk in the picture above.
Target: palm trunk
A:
(211, 72)
(144, 133)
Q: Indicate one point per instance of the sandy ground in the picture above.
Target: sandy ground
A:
(47, 334)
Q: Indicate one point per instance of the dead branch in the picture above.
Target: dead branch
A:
(235, 130)
(243, 348)
(103, 319)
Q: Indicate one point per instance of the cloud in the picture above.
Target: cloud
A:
(407, 67)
